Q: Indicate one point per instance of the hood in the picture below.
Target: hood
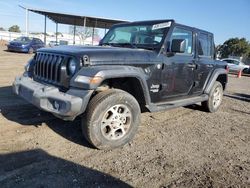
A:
(18, 43)
(107, 55)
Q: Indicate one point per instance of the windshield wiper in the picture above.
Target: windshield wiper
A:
(107, 44)
(127, 44)
(119, 44)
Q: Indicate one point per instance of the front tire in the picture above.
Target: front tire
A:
(215, 98)
(112, 119)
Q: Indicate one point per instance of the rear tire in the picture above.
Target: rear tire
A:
(214, 99)
(246, 70)
(111, 120)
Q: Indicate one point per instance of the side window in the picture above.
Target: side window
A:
(205, 45)
(236, 62)
(228, 61)
(41, 42)
(180, 33)
(37, 41)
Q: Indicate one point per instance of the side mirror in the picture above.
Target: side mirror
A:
(178, 46)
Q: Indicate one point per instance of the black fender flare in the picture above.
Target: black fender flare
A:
(213, 78)
(109, 72)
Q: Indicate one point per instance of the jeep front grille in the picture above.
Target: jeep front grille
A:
(48, 67)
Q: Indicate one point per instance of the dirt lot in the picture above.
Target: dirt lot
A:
(184, 147)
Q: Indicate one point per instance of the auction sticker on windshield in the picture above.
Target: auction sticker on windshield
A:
(161, 25)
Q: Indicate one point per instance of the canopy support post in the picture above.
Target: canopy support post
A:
(45, 32)
(56, 32)
(84, 29)
(74, 39)
(105, 31)
(93, 32)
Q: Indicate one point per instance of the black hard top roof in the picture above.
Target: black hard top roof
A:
(162, 21)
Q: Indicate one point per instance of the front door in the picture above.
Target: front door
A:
(178, 70)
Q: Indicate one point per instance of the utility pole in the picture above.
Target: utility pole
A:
(26, 19)
(27, 22)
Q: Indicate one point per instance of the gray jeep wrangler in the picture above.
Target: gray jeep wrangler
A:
(137, 67)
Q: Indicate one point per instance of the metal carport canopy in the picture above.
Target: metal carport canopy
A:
(78, 20)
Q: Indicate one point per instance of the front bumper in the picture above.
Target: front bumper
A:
(63, 105)
(17, 49)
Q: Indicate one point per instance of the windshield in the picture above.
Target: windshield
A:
(148, 36)
(23, 39)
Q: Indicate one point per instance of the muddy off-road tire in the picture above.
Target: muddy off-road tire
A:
(215, 98)
(111, 120)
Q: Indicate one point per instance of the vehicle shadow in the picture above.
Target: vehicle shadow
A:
(36, 168)
(15, 52)
(239, 96)
(196, 107)
(240, 111)
(18, 110)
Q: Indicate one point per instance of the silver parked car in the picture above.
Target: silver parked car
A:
(236, 65)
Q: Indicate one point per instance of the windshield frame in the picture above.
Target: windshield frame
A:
(156, 47)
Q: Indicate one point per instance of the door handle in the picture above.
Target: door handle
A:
(191, 65)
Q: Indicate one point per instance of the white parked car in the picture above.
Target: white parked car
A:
(236, 65)
(53, 43)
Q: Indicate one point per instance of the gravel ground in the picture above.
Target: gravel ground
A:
(184, 147)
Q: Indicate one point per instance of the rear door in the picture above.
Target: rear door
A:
(36, 44)
(235, 65)
(41, 44)
(204, 59)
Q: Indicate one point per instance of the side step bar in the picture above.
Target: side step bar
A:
(155, 107)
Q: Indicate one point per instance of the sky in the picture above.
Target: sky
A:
(224, 18)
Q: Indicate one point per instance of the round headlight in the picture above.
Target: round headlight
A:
(72, 66)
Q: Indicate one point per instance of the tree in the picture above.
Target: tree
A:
(235, 47)
(83, 33)
(15, 28)
(2, 29)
